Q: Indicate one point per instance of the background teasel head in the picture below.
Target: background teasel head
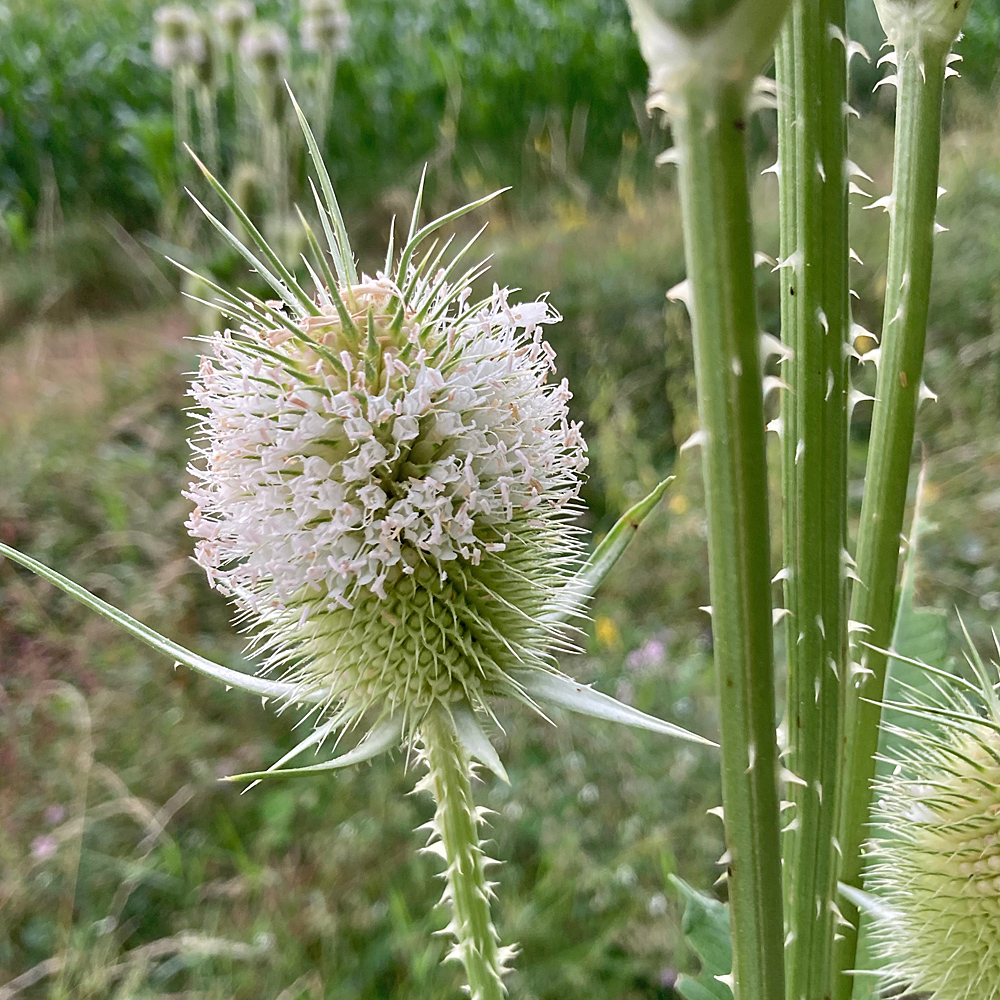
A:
(178, 40)
(325, 26)
(233, 17)
(936, 861)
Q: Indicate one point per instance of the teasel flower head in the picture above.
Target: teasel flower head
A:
(325, 26)
(702, 43)
(233, 17)
(935, 862)
(178, 41)
(264, 49)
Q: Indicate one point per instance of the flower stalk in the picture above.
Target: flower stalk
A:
(710, 138)
(455, 837)
(921, 36)
(811, 63)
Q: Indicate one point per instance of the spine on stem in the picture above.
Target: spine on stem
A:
(702, 58)
(454, 834)
(811, 63)
(920, 33)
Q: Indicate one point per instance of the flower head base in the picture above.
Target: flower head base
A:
(914, 23)
(936, 865)
(264, 47)
(703, 43)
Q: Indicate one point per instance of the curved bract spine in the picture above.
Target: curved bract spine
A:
(921, 34)
(811, 60)
(700, 75)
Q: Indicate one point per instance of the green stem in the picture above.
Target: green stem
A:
(811, 62)
(456, 830)
(710, 132)
(208, 125)
(920, 80)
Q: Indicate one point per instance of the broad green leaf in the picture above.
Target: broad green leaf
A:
(705, 987)
(602, 559)
(706, 928)
(563, 692)
(232, 678)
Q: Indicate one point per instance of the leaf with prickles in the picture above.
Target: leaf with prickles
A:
(563, 692)
(383, 737)
(228, 676)
(583, 585)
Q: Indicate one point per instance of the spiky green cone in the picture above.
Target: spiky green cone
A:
(935, 865)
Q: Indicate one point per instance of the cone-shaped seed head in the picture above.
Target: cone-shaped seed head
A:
(264, 47)
(936, 864)
(387, 489)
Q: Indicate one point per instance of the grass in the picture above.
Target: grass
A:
(110, 803)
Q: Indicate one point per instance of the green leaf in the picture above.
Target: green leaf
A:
(232, 678)
(590, 576)
(705, 987)
(564, 692)
(706, 929)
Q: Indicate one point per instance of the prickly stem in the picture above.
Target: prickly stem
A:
(710, 130)
(811, 62)
(455, 837)
(920, 76)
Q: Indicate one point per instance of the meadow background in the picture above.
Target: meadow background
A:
(127, 870)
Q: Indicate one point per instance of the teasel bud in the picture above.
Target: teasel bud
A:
(233, 18)
(178, 41)
(325, 26)
(935, 867)
(703, 42)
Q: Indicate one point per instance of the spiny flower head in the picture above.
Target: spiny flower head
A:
(936, 862)
(386, 485)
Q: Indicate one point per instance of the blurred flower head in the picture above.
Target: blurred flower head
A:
(264, 48)
(178, 40)
(233, 18)
(325, 26)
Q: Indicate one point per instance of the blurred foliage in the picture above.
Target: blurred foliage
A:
(512, 91)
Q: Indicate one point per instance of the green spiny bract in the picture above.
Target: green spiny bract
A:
(936, 862)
